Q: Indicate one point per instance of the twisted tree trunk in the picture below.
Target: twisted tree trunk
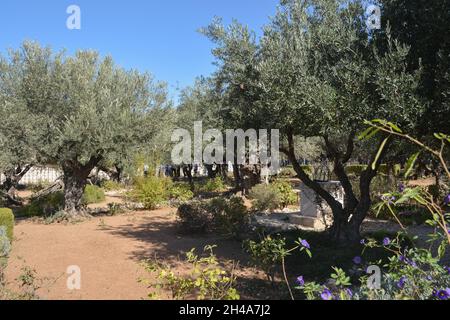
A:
(349, 216)
(12, 179)
(75, 180)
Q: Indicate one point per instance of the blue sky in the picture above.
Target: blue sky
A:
(159, 36)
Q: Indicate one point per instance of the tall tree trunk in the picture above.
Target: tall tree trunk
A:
(74, 185)
(75, 180)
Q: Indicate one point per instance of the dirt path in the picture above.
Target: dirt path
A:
(108, 250)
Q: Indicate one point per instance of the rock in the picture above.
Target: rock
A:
(277, 222)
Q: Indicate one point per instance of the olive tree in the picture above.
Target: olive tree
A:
(17, 132)
(317, 73)
(85, 109)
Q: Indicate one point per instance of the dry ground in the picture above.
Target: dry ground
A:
(109, 251)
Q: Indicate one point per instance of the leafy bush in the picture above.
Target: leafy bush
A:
(270, 253)
(206, 279)
(151, 191)
(195, 217)
(287, 172)
(5, 245)
(265, 197)
(228, 215)
(93, 194)
(412, 274)
(286, 193)
(54, 202)
(44, 206)
(222, 215)
(7, 221)
(213, 185)
(111, 185)
(266, 255)
(181, 192)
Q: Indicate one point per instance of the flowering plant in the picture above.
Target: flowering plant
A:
(411, 272)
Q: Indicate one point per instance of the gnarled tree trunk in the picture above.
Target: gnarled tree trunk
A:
(75, 180)
(12, 179)
(348, 217)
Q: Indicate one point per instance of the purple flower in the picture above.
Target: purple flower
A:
(300, 281)
(305, 244)
(402, 258)
(401, 188)
(447, 200)
(448, 269)
(363, 241)
(401, 282)
(326, 295)
(386, 241)
(412, 263)
(443, 294)
(357, 260)
(349, 293)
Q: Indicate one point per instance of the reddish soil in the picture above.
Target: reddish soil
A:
(109, 251)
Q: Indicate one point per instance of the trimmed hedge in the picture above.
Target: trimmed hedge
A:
(7, 220)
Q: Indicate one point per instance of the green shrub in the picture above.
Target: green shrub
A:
(181, 192)
(111, 185)
(7, 220)
(213, 185)
(410, 274)
(206, 279)
(287, 172)
(46, 205)
(151, 191)
(225, 216)
(93, 194)
(265, 197)
(5, 248)
(286, 193)
(228, 215)
(195, 216)
(266, 254)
